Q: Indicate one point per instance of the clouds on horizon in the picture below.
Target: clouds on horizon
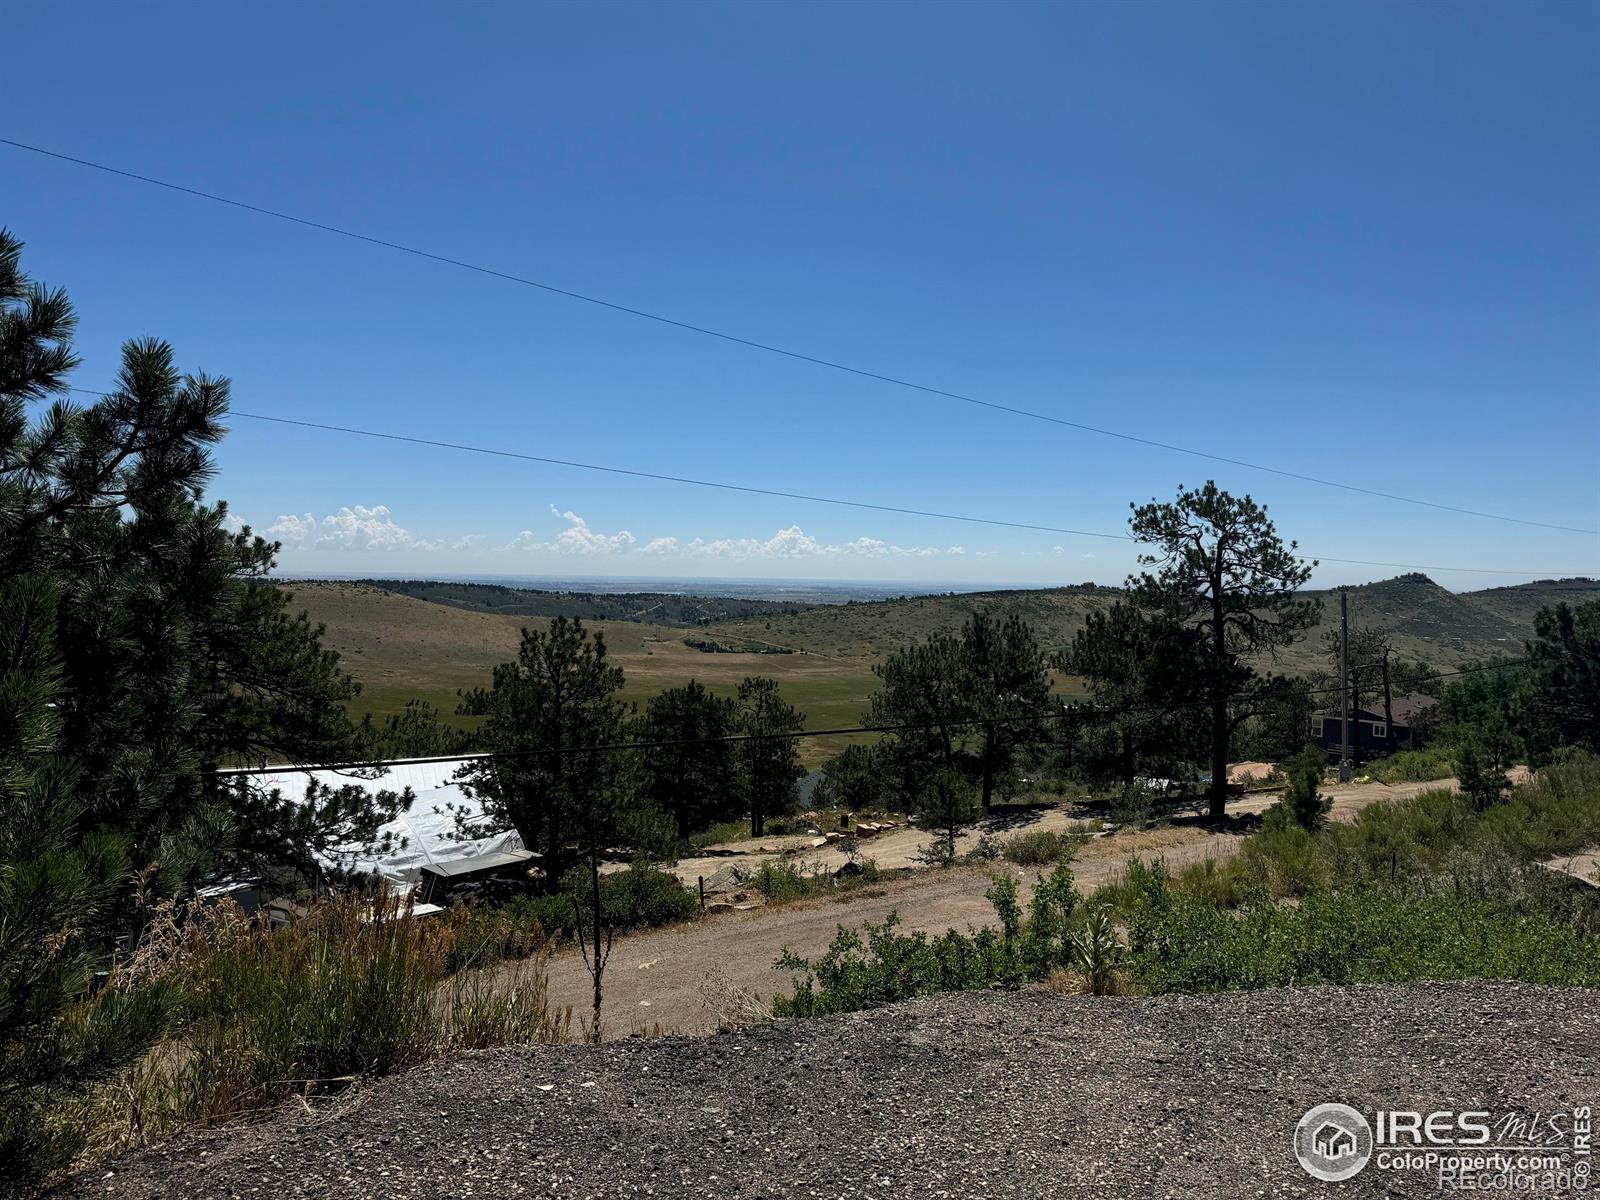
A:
(358, 528)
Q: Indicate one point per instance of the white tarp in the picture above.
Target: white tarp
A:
(424, 834)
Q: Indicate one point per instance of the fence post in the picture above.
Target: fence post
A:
(702, 880)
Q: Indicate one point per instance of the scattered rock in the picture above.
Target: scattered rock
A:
(1020, 1095)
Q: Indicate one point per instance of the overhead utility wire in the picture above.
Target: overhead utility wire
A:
(769, 348)
(788, 735)
(811, 499)
(759, 491)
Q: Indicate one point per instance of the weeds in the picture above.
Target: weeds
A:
(1097, 956)
(1427, 888)
(1411, 766)
(356, 989)
(1041, 847)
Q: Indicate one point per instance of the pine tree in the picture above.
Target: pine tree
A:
(1137, 667)
(58, 889)
(545, 713)
(771, 760)
(1222, 572)
(695, 781)
(1002, 676)
(1563, 705)
(175, 656)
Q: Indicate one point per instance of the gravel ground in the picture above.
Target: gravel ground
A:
(973, 1095)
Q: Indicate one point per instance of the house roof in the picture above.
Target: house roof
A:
(1406, 710)
(1409, 707)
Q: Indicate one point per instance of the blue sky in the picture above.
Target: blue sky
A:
(1352, 240)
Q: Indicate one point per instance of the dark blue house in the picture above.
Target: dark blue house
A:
(1375, 733)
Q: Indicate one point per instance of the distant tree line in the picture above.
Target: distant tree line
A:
(650, 608)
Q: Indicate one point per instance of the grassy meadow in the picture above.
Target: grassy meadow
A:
(400, 648)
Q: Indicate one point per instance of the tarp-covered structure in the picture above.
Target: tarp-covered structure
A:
(423, 835)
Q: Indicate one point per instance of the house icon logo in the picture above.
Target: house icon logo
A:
(1332, 1142)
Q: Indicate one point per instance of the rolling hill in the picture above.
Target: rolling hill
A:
(1428, 621)
(401, 648)
(405, 646)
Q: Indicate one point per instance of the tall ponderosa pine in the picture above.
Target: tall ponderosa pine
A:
(853, 779)
(141, 646)
(545, 714)
(696, 781)
(957, 691)
(1139, 670)
(58, 890)
(772, 767)
(919, 686)
(174, 655)
(1563, 706)
(1002, 676)
(1221, 570)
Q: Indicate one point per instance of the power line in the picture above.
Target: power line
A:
(1064, 712)
(770, 348)
(812, 499)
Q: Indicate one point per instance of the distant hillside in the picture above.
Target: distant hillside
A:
(872, 629)
(401, 648)
(1429, 622)
(1519, 604)
(651, 608)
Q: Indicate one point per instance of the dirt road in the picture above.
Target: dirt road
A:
(655, 979)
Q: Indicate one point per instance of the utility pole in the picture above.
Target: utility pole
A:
(1344, 687)
(1388, 699)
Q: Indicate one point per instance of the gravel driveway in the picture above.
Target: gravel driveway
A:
(973, 1095)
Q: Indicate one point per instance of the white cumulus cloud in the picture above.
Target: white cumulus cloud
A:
(353, 527)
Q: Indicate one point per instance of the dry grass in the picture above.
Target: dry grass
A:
(354, 990)
(401, 648)
(1064, 981)
(735, 1007)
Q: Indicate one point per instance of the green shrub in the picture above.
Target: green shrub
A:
(1302, 805)
(1048, 934)
(781, 881)
(885, 966)
(1558, 812)
(1426, 888)
(1040, 848)
(1412, 766)
(722, 831)
(1225, 883)
(1373, 935)
(1287, 858)
(642, 897)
